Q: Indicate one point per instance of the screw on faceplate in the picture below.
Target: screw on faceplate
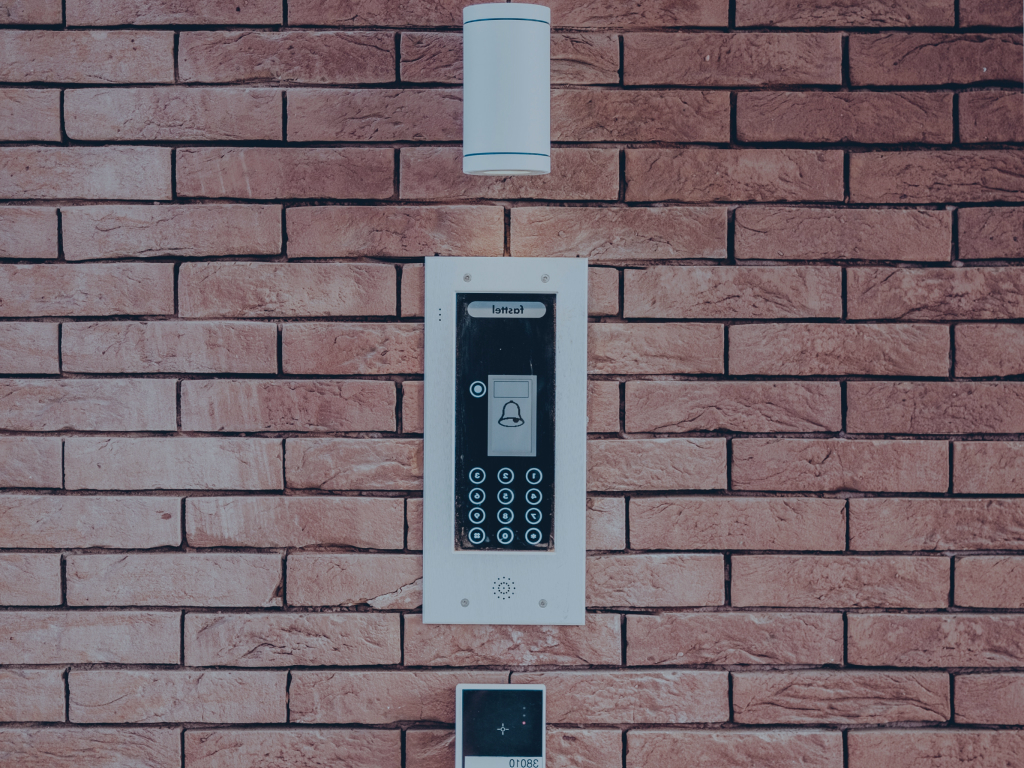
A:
(464, 603)
(543, 603)
(544, 278)
(467, 277)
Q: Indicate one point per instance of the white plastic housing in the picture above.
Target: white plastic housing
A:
(506, 96)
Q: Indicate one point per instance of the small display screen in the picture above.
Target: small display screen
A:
(502, 726)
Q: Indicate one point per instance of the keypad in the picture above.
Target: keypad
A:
(517, 511)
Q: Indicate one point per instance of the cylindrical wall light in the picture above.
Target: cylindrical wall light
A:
(506, 91)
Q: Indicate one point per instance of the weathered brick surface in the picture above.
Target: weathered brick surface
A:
(989, 582)
(930, 408)
(948, 294)
(991, 116)
(655, 581)
(332, 464)
(936, 524)
(993, 699)
(29, 579)
(655, 465)
(988, 467)
(991, 233)
(29, 348)
(28, 232)
(30, 462)
(365, 349)
(144, 12)
(944, 748)
(602, 292)
(990, 12)
(916, 58)
(70, 747)
(92, 173)
(381, 581)
(655, 348)
(118, 405)
(615, 115)
(365, 114)
(65, 56)
(28, 114)
(230, 748)
(989, 350)
(31, 12)
(937, 176)
(38, 290)
(733, 749)
(933, 640)
(31, 695)
(842, 13)
(86, 637)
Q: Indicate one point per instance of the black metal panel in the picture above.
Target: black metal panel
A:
(502, 723)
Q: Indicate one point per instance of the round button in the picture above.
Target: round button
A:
(477, 515)
(534, 476)
(477, 495)
(533, 496)
(478, 389)
(506, 475)
(477, 475)
(476, 535)
(533, 536)
(505, 536)
(505, 515)
(533, 515)
(505, 495)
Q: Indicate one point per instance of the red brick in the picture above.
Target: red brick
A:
(226, 289)
(90, 637)
(170, 347)
(735, 749)
(30, 695)
(90, 173)
(288, 406)
(395, 231)
(118, 522)
(577, 173)
(275, 172)
(934, 640)
(725, 292)
(596, 642)
(223, 579)
(989, 13)
(830, 581)
(602, 406)
(28, 232)
(137, 231)
(996, 699)
(843, 233)
(649, 115)
(834, 697)
(989, 350)
(923, 58)
(366, 349)
(31, 12)
(842, 13)
(202, 463)
(29, 348)
(286, 57)
(637, 348)
(990, 582)
(566, 748)
(230, 748)
(74, 747)
(291, 639)
(971, 293)
(934, 407)
(713, 522)
(991, 233)
(606, 523)
(731, 59)
(735, 638)
(103, 405)
(295, 521)
(706, 174)
(632, 697)
(936, 524)
(29, 579)
(365, 114)
(735, 406)
(39, 290)
(944, 748)
(412, 406)
(655, 581)
(102, 13)
(332, 464)
(30, 462)
(656, 465)
(602, 291)
(988, 467)
(991, 116)
(817, 349)
(66, 56)
(577, 58)
(150, 696)
(382, 581)
(614, 235)
(887, 466)
(29, 115)
(861, 117)
(936, 176)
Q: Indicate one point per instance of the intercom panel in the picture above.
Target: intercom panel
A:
(505, 441)
(500, 726)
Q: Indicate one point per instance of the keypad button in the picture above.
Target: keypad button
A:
(506, 515)
(533, 536)
(477, 515)
(533, 496)
(534, 476)
(505, 535)
(477, 535)
(505, 495)
(478, 389)
(477, 495)
(533, 515)
(477, 475)
(506, 475)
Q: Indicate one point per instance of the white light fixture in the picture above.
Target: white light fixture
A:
(506, 96)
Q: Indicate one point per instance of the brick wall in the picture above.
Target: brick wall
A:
(807, 390)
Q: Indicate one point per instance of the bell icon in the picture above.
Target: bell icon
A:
(511, 416)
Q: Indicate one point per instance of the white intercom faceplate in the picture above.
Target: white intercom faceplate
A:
(505, 430)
